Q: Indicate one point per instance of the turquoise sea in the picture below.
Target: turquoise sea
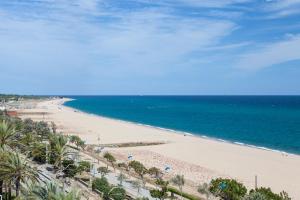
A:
(271, 122)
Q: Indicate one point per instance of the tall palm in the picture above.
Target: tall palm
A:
(179, 181)
(16, 169)
(60, 152)
(7, 134)
(58, 149)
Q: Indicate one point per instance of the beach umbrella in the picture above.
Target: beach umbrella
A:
(167, 169)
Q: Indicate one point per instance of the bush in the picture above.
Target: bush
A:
(102, 185)
(268, 194)
(70, 168)
(227, 189)
(117, 193)
(84, 166)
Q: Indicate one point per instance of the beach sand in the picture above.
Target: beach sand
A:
(199, 159)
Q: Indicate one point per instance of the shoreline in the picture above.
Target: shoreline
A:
(242, 144)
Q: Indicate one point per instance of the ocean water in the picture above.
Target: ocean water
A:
(264, 121)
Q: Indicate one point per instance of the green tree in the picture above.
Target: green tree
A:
(155, 172)
(161, 193)
(117, 193)
(179, 181)
(227, 189)
(38, 152)
(7, 134)
(110, 158)
(84, 166)
(139, 168)
(255, 196)
(59, 150)
(102, 185)
(69, 168)
(269, 194)
(103, 171)
(16, 169)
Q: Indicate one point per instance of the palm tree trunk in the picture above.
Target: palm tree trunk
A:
(9, 191)
(180, 188)
(17, 187)
(1, 187)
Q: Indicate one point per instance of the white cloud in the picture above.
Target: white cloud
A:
(272, 54)
(283, 8)
(117, 40)
(212, 3)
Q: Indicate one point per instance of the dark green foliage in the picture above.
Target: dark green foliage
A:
(38, 152)
(69, 168)
(117, 193)
(102, 185)
(110, 158)
(139, 168)
(162, 193)
(84, 166)
(159, 194)
(155, 172)
(268, 194)
(227, 189)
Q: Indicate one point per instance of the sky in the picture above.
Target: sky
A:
(144, 47)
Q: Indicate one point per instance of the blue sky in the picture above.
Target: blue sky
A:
(150, 46)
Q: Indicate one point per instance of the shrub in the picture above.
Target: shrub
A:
(117, 193)
(267, 192)
(227, 189)
(84, 166)
(102, 185)
(70, 168)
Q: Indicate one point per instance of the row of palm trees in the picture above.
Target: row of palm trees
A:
(20, 143)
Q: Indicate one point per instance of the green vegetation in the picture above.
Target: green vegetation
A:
(14, 97)
(84, 166)
(108, 191)
(179, 181)
(139, 168)
(110, 158)
(266, 193)
(161, 193)
(23, 142)
(227, 189)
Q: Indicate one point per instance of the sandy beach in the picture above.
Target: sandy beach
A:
(199, 159)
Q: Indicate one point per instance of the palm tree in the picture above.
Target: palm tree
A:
(58, 149)
(179, 181)
(16, 169)
(7, 133)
